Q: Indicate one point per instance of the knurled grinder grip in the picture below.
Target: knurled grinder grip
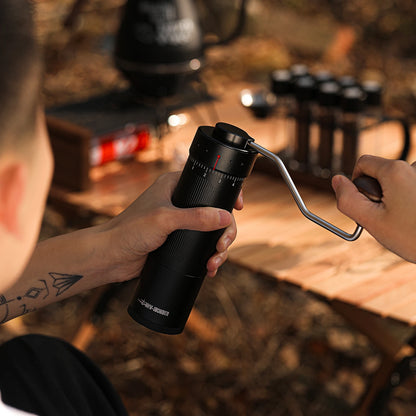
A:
(219, 161)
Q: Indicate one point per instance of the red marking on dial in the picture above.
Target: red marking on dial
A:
(218, 158)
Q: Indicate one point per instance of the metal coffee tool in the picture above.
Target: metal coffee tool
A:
(220, 158)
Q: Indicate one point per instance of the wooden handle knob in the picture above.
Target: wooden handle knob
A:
(370, 187)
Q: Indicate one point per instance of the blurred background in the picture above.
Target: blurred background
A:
(365, 39)
(268, 349)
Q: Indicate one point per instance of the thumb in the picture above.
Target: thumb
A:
(352, 202)
(200, 219)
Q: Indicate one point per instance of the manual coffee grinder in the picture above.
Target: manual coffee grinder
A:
(220, 158)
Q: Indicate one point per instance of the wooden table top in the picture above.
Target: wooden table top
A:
(274, 238)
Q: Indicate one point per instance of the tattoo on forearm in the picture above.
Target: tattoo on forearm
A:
(21, 304)
(4, 304)
(62, 282)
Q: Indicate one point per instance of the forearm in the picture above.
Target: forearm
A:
(60, 267)
(113, 252)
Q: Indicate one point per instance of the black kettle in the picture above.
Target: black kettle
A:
(159, 44)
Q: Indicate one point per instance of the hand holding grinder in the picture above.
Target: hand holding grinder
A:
(220, 158)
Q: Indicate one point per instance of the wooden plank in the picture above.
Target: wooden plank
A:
(319, 280)
(397, 295)
(366, 264)
(375, 285)
(406, 311)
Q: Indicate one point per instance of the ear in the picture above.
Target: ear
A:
(13, 181)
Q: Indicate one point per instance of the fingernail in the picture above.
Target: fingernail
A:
(336, 181)
(226, 242)
(240, 199)
(216, 261)
(224, 217)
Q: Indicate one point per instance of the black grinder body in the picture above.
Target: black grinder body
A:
(219, 161)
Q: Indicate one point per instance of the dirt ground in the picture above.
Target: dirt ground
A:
(274, 350)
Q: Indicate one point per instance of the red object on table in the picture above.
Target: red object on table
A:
(119, 144)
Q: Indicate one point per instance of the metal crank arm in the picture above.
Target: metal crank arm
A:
(298, 199)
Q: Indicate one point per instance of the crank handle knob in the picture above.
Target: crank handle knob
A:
(369, 187)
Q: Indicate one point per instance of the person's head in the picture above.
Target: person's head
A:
(25, 157)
